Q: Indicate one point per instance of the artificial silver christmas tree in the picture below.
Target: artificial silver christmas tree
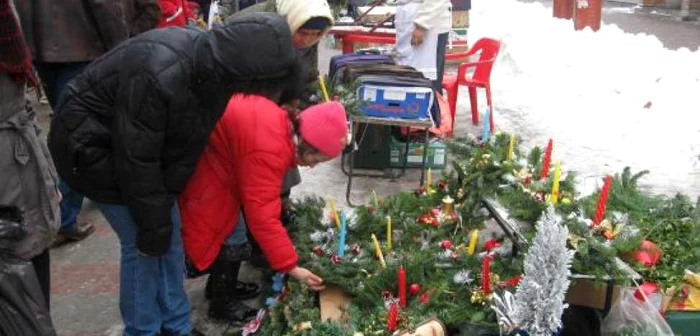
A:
(539, 300)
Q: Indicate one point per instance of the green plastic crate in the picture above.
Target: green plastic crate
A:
(437, 154)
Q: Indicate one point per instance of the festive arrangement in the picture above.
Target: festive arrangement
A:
(410, 259)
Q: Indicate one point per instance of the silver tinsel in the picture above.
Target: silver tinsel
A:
(318, 236)
(539, 300)
(463, 277)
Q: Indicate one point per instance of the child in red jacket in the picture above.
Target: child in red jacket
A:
(175, 13)
(248, 154)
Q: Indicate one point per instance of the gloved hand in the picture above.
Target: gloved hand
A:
(154, 243)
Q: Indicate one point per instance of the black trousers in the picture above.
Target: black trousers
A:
(42, 267)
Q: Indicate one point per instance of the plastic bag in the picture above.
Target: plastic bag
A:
(23, 311)
(633, 317)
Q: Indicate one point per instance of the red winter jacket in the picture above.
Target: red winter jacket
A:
(246, 158)
(174, 13)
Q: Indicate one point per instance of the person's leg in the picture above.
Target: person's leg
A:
(140, 276)
(223, 287)
(175, 306)
(237, 243)
(57, 77)
(441, 51)
(42, 267)
(437, 83)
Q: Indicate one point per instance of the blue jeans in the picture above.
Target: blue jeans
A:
(54, 78)
(239, 236)
(152, 297)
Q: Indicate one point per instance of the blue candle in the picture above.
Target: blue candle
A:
(487, 126)
(343, 231)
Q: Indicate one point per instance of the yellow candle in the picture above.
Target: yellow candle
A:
(430, 177)
(388, 233)
(376, 200)
(472, 242)
(511, 148)
(334, 210)
(378, 251)
(322, 83)
(555, 183)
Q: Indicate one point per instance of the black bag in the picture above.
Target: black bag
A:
(23, 309)
(11, 226)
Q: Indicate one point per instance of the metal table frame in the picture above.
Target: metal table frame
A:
(356, 120)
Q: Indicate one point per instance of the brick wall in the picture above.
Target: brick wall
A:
(694, 5)
(655, 3)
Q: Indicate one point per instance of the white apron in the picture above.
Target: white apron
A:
(423, 57)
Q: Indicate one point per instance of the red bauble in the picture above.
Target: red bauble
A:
(425, 297)
(491, 244)
(318, 251)
(414, 289)
(435, 222)
(442, 185)
(421, 191)
(446, 244)
(435, 212)
(355, 249)
(335, 259)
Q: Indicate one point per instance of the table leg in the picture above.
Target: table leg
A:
(425, 157)
(405, 158)
(351, 171)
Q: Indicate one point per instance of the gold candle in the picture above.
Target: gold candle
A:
(472, 242)
(388, 233)
(334, 210)
(448, 205)
(322, 83)
(511, 148)
(378, 251)
(554, 199)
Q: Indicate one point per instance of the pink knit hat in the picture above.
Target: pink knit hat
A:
(324, 126)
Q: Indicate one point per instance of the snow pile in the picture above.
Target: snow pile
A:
(607, 98)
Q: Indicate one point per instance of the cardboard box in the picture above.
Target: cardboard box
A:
(396, 101)
(587, 293)
(460, 19)
(334, 304)
(437, 154)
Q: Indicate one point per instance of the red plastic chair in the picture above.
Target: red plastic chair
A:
(481, 78)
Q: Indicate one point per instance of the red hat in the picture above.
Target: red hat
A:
(325, 127)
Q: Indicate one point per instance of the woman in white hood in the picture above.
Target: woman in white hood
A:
(309, 21)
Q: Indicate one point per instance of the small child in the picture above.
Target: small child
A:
(252, 147)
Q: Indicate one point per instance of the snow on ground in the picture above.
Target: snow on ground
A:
(608, 99)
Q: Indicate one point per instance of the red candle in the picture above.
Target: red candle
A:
(547, 159)
(602, 201)
(402, 286)
(486, 275)
(392, 318)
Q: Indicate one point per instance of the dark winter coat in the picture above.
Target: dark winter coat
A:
(130, 128)
(72, 30)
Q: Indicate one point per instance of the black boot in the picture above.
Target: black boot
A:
(234, 255)
(224, 304)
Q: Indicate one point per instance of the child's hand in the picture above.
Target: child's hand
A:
(313, 281)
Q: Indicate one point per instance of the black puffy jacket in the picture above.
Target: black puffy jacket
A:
(130, 129)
